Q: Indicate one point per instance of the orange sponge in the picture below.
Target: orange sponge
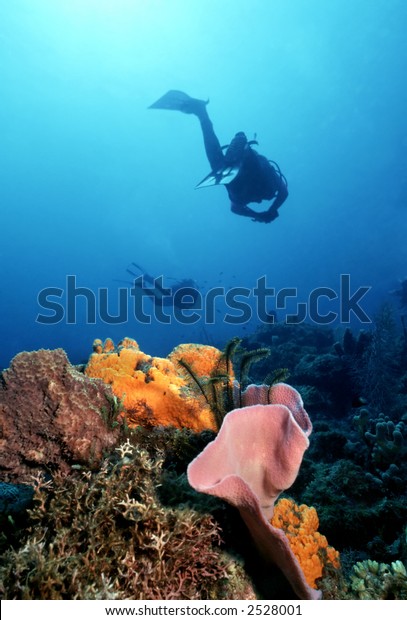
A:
(203, 359)
(152, 389)
(300, 524)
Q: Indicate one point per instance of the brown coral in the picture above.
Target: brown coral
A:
(300, 524)
(155, 391)
(51, 416)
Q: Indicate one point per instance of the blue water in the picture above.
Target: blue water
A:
(91, 179)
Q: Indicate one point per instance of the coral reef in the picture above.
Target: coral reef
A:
(191, 388)
(153, 390)
(106, 535)
(355, 469)
(387, 441)
(211, 373)
(203, 359)
(14, 498)
(352, 346)
(14, 501)
(373, 581)
(354, 509)
(256, 455)
(313, 365)
(51, 416)
(374, 372)
(125, 523)
(219, 387)
(300, 525)
(336, 372)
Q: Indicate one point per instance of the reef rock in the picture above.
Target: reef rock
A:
(51, 416)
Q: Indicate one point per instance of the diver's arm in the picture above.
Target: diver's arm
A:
(272, 212)
(282, 194)
(243, 210)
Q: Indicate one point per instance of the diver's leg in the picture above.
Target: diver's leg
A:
(212, 146)
(146, 276)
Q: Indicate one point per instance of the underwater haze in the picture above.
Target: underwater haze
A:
(92, 180)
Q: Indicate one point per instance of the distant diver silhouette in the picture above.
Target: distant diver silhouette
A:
(247, 175)
(181, 294)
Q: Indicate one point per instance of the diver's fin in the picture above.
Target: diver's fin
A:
(221, 177)
(131, 272)
(180, 101)
(173, 100)
(138, 267)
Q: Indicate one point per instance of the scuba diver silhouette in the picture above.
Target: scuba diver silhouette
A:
(247, 175)
(170, 296)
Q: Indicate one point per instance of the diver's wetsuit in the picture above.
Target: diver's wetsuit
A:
(257, 179)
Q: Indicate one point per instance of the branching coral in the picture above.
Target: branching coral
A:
(153, 390)
(374, 371)
(383, 449)
(353, 508)
(51, 416)
(106, 535)
(387, 441)
(300, 524)
(371, 580)
(352, 347)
